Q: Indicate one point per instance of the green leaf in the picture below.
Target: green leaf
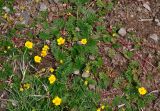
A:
(104, 80)
(59, 23)
(100, 3)
(44, 35)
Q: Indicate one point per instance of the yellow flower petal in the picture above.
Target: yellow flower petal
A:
(61, 61)
(43, 53)
(83, 41)
(51, 69)
(21, 89)
(29, 44)
(52, 79)
(37, 59)
(57, 101)
(85, 82)
(26, 86)
(102, 107)
(99, 109)
(142, 90)
(60, 41)
(45, 48)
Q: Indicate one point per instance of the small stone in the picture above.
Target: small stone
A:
(157, 22)
(6, 9)
(76, 72)
(43, 7)
(85, 74)
(92, 87)
(14, 103)
(3, 104)
(91, 57)
(77, 29)
(145, 5)
(154, 37)
(122, 32)
(106, 49)
(25, 16)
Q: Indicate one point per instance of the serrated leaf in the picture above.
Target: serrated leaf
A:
(44, 35)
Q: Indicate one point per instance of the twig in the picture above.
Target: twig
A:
(155, 91)
(145, 20)
(121, 105)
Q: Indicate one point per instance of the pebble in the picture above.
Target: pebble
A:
(85, 74)
(91, 57)
(43, 7)
(154, 37)
(122, 32)
(26, 17)
(146, 5)
(76, 72)
(77, 29)
(92, 87)
(157, 22)
(6, 9)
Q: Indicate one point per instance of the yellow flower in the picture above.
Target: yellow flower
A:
(21, 89)
(29, 44)
(37, 59)
(45, 48)
(87, 71)
(85, 82)
(26, 86)
(142, 90)
(114, 34)
(57, 101)
(61, 61)
(43, 69)
(69, 14)
(99, 109)
(51, 69)
(83, 41)
(52, 79)
(43, 53)
(60, 41)
(8, 47)
(102, 107)
(5, 16)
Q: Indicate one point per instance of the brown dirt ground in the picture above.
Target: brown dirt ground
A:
(128, 13)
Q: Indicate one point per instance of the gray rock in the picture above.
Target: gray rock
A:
(85, 74)
(14, 102)
(146, 6)
(91, 57)
(43, 7)
(157, 22)
(122, 32)
(76, 72)
(154, 37)
(77, 29)
(26, 17)
(106, 49)
(6, 9)
(92, 87)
